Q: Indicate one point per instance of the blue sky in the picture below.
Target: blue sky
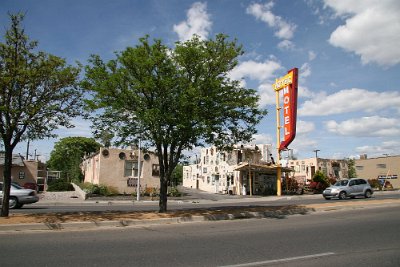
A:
(347, 53)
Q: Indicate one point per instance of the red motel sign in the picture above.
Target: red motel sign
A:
(288, 84)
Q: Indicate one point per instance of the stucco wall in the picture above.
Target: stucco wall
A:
(108, 168)
(381, 166)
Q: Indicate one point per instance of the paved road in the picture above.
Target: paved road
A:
(362, 237)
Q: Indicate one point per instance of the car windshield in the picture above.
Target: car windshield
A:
(341, 183)
(15, 185)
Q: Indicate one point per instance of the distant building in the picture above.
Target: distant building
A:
(246, 170)
(386, 168)
(23, 171)
(120, 168)
(304, 169)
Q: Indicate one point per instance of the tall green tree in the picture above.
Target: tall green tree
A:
(352, 173)
(173, 99)
(68, 154)
(38, 93)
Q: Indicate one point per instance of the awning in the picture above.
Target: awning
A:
(270, 169)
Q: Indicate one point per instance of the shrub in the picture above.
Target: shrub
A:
(290, 185)
(95, 189)
(105, 190)
(174, 192)
(375, 184)
(319, 182)
(151, 191)
(59, 185)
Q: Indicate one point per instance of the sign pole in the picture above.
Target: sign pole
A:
(139, 170)
(288, 84)
(278, 143)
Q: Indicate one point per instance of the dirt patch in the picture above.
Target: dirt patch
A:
(274, 212)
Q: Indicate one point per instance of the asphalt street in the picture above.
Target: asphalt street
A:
(352, 237)
(297, 205)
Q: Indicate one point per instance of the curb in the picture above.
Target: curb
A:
(242, 214)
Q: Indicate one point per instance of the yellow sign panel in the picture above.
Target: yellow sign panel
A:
(283, 81)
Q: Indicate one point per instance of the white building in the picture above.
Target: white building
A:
(247, 169)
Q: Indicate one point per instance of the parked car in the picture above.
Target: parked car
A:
(349, 188)
(32, 186)
(19, 196)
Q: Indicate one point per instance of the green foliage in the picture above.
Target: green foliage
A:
(38, 93)
(319, 182)
(174, 192)
(177, 175)
(60, 185)
(94, 189)
(352, 173)
(319, 177)
(68, 153)
(174, 99)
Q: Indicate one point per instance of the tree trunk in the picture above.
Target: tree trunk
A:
(6, 182)
(163, 195)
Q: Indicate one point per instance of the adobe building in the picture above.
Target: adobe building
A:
(385, 168)
(246, 170)
(119, 168)
(23, 171)
(304, 169)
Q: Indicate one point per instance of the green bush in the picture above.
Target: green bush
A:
(102, 190)
(59, 185)
(174, 192)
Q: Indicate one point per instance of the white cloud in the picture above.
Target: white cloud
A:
(371, 30)
(260, 71)
(283, 29)
(267, 94)
(304, 92)
(366, 127)
(286, 45)
(387, 147)
(198, 22)
(305, 70)
(350, 100)
(304, 127)
(304, 143)
(311, 55)
(263, 139)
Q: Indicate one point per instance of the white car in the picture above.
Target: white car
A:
(19, 196)
(349, 188)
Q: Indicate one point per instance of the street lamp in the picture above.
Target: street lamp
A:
(316, 152)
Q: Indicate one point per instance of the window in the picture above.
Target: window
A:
(381, 166)
(21, 175)
(155, 170)
(359, 168)
(131, 168)
(131, 182)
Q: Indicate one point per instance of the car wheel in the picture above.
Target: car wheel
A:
(13, 203)
(327, 198)
(368, 194)
(342, 195)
